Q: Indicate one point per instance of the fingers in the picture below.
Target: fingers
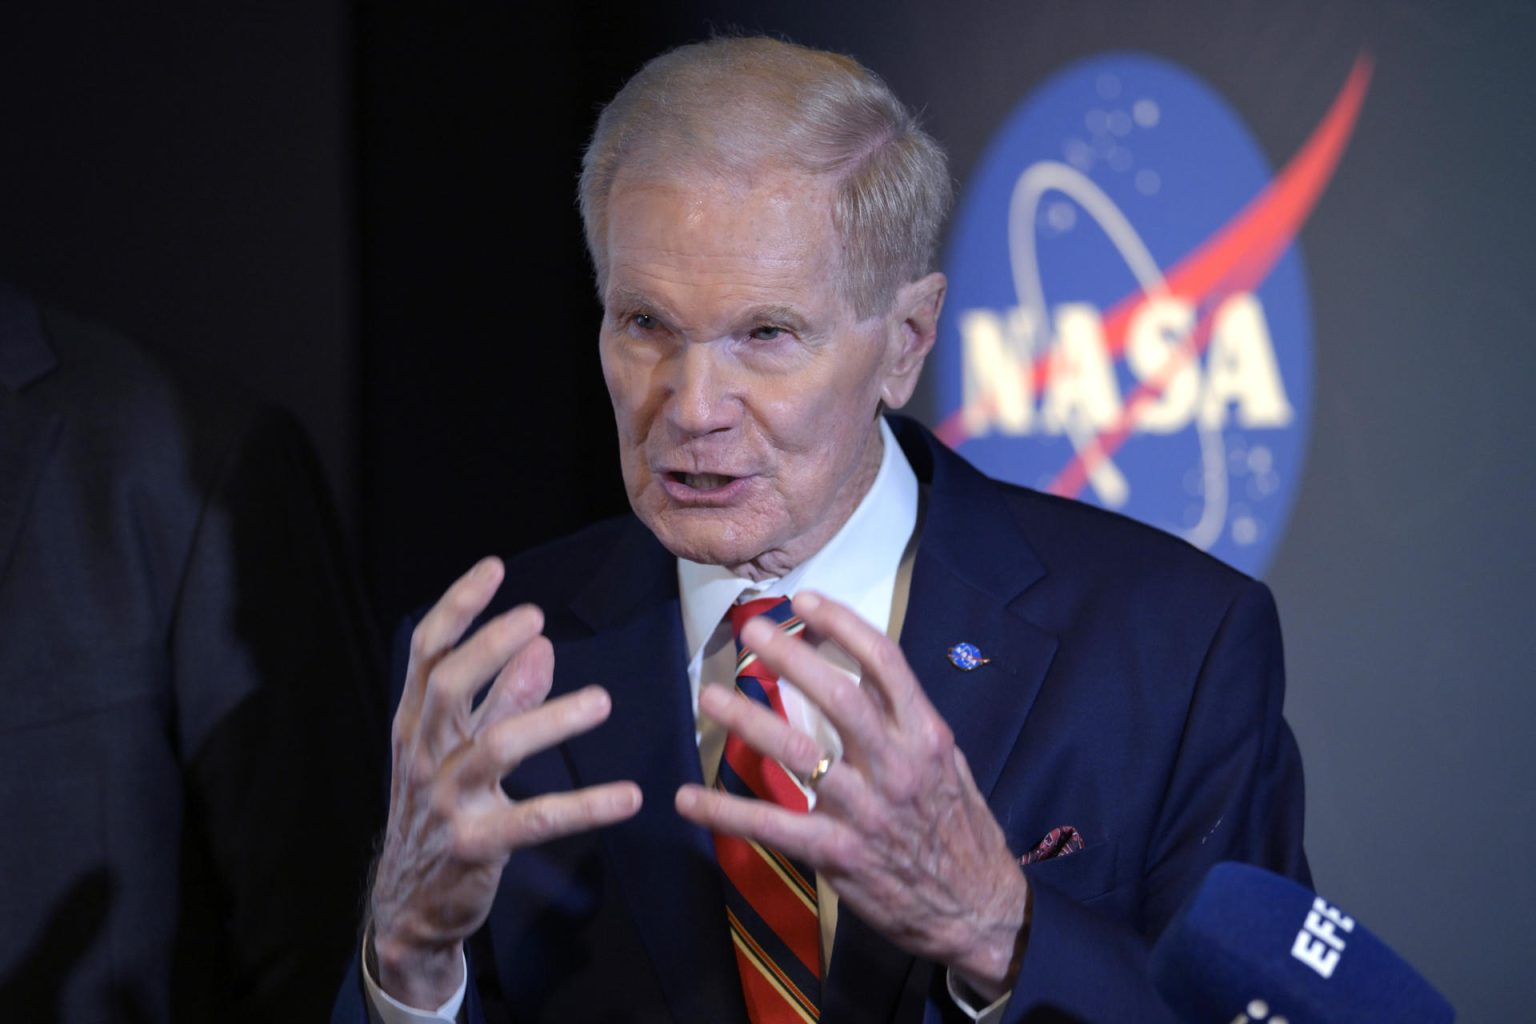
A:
(761, 729)
(522, 684)
(441, 628)
(494, 836)
(880, 656)
(561, 814)
(812, 838)
(899, 827)
(842, 790)
(824, 842)
(893, 738)
(854, 716)
(500, 747)
(452, 682)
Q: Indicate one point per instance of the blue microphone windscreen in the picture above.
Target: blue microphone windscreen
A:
(1251, 946)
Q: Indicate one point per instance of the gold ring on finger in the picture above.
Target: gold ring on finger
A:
(820, 771)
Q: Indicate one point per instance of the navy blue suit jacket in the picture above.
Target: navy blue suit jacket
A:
(1133, 692)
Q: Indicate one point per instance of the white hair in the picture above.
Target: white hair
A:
(731, 105)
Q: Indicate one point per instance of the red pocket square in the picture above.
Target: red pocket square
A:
(1058, 842)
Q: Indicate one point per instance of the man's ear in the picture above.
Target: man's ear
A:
(914, 326)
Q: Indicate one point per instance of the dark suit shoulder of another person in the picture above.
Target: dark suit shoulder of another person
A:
(188, 695)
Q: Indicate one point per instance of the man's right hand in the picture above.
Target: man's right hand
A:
(451, 826)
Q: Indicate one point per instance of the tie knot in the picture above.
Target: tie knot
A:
(775, 608)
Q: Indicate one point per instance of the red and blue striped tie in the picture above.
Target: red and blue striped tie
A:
(770, 899)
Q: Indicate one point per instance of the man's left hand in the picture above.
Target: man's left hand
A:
(899, 828)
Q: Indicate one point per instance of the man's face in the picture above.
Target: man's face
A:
(745, 388)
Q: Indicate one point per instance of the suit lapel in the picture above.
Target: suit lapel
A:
(666, 867)
(27, 435)
(971, 569)
(975, 601)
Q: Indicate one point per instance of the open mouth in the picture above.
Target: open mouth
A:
(701, 481)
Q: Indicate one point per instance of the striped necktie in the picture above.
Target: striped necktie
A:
(770, 900)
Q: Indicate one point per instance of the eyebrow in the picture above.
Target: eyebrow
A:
(623, 299)
(629, 299)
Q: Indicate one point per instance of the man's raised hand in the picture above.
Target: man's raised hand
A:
(451, 826)
(899, 828)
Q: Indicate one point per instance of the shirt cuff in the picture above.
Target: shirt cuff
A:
(963, 997)
(386, 1009)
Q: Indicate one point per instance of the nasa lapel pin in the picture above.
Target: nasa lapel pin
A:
(966, 656)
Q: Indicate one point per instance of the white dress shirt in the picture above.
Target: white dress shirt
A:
(859, 567)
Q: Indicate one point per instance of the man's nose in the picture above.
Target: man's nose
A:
(703, 398)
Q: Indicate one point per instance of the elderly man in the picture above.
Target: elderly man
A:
(970, 771)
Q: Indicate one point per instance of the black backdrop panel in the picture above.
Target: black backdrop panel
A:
(486, 423)
(182, 171)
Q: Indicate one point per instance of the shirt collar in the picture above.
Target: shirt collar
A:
(857, 566)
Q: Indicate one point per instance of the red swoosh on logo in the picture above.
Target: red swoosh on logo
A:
(1235, 259)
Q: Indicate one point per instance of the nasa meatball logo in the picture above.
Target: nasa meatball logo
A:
(1129, 319)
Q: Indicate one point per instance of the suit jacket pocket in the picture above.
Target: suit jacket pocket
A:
(1080, 876)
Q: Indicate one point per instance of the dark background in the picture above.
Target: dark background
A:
(366, 212)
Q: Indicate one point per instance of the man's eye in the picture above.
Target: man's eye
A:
(766, 333)
(644, 321)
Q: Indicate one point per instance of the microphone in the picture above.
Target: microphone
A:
(1251, 947)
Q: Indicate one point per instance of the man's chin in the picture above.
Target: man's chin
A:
(699, 536)
(709, 553)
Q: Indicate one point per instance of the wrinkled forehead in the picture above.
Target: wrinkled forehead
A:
(705, 227)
